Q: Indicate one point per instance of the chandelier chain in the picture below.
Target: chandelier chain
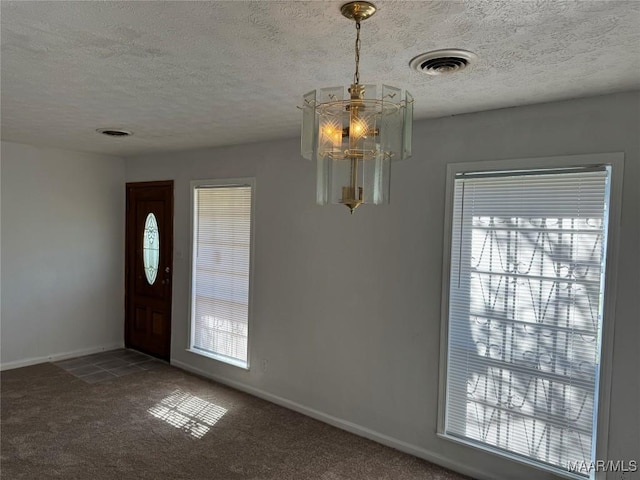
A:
(356, 76)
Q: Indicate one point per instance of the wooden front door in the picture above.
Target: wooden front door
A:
(149, 267)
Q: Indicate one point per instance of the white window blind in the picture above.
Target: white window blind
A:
(525, 313)
(221, 267)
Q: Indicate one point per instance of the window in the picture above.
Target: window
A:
(523, 323)
(222, 233)
(150, 248)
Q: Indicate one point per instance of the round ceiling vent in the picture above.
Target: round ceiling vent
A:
(114, 132)
(443, 62)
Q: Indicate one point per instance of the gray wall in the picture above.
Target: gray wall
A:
(62, 253)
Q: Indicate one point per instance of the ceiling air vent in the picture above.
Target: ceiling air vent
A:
(114, 132)
(443, 62)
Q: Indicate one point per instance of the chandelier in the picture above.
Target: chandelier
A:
(355, 135)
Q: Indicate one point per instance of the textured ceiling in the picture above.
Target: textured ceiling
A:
(185, 75)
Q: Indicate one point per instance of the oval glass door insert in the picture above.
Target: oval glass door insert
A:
(151, 248)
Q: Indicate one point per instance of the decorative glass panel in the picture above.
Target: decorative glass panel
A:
(151, 248)
(331, 120)
(378, 174)
(309, 126)
(408, 126)
(391, 137)
(322, 180)
(331, 94)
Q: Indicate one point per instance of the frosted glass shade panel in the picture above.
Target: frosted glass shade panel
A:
(391, 124)
(323, 175)
(525, 313)
(407, 132)
(221, 261)
(378, 173)
(150, 248)
(309, 128)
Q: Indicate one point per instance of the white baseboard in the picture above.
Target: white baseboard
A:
(56, 357)
(344, 424)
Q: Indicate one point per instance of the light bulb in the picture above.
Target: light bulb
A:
(358, 128)
(331, 132)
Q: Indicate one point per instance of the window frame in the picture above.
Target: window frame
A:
(223, 182)
(616, 162)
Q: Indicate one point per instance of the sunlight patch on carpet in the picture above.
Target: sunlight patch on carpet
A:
(188, 413)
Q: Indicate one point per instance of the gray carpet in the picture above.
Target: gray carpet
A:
(164, 423)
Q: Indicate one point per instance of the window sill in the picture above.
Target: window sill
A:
(517, 458)
(220, 358)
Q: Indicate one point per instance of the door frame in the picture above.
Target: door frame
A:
(130, 252)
